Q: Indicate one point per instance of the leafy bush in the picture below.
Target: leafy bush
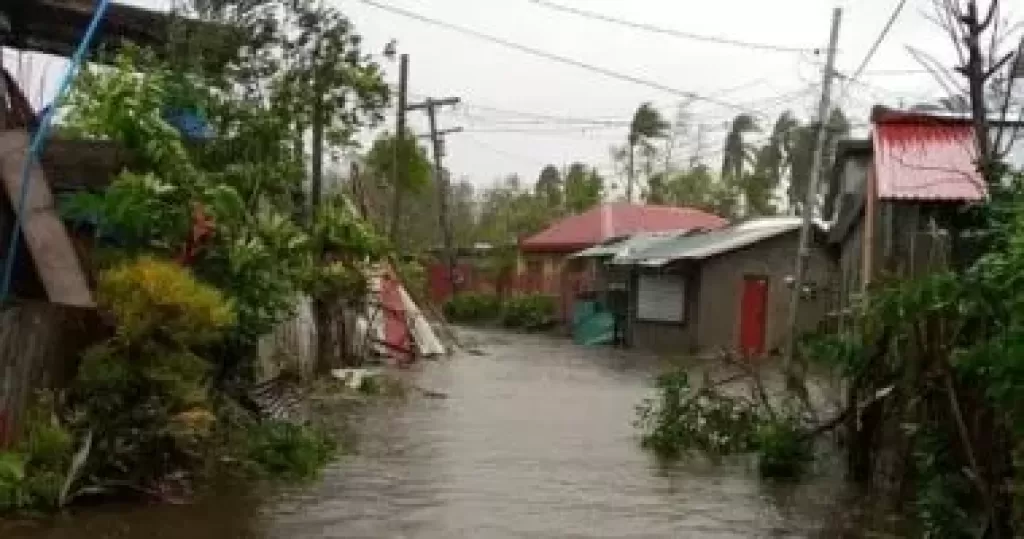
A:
(33, 472)
(280, 449)
(473, 307)
(683, 419)
(149, 296)
(784, 449)
(144, 393)
(529, 311)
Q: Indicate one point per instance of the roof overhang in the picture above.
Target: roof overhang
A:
(56, 26)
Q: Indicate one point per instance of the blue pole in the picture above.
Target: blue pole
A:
(36, 144)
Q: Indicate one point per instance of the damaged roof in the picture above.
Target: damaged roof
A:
(714, 243)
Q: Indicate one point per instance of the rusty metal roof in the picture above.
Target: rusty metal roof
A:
(926, 158)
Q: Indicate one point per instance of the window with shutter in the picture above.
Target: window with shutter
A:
(660, 298)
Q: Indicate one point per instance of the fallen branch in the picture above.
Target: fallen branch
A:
(755, 377)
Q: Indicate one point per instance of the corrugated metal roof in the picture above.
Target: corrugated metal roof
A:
(927, 160)
(709, 244)
(619, 219)
(630, 244)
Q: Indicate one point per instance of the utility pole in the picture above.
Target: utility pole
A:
(436, 136)
(803, 249)
(698, 150)
(398, 170)
(318, 126)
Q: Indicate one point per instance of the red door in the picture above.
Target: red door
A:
(752, 316)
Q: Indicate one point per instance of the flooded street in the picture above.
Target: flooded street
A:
(534, 440)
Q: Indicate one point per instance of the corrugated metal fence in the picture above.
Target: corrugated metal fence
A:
(39, 344)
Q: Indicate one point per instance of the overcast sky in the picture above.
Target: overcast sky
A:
(488, 76)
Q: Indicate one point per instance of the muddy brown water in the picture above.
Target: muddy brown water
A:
(534, 440)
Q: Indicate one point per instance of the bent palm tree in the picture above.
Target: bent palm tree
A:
(647, 124)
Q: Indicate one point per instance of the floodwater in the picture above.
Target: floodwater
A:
(534, 440)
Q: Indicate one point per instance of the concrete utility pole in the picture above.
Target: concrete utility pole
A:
(436, 136)
(803, 250)
(398, 170)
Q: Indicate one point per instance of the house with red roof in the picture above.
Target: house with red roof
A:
(886, 193)
(544, 259)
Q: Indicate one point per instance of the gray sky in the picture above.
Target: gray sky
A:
(489, 76)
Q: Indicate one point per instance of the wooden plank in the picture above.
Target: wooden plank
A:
(56, 262)
(39, 347)
(56, 26)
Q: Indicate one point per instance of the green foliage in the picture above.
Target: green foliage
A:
(149, 296)
(284, 450)
(784, 449)
(684, 419)
(549, 187)
(32, 473)
(417, 168)
(529, 311)
(583, 188)
(473, 307)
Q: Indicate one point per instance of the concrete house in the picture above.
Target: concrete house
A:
(544, 259)
(726, 289)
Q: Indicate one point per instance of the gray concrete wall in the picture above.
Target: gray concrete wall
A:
(673, 339)
(721, 292)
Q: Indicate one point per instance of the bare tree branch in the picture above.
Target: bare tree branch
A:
(946, 80)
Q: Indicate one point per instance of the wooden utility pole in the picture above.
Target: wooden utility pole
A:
(318, 125)
(811, 199)
(436, 136)
(399, 169)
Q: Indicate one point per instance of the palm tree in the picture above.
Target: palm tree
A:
(647, 124)
(737, 152)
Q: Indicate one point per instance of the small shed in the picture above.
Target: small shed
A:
(886, 194)
(725, 289)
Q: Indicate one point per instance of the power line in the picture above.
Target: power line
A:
(505, 153)
(555, 57)
(669, 31)
(878, 42)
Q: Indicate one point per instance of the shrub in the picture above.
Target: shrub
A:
(32, 473)
(149, 297)
(530, 311)
(473, 307)
(784, 449)
(683, 419)
(286, 450)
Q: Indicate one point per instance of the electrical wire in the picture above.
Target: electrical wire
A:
(36, 143)
(878, 42)
(557, 58)
(671, 32)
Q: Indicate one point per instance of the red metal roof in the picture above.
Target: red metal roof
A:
(918, 157)
(614, 220)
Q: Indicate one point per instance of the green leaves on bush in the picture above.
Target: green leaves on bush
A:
(684, 419)
(286, 450)
(473, 307)
(529, 311)
(32, 473)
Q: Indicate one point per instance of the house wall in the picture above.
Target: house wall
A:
(721, 290)
(666, 337)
